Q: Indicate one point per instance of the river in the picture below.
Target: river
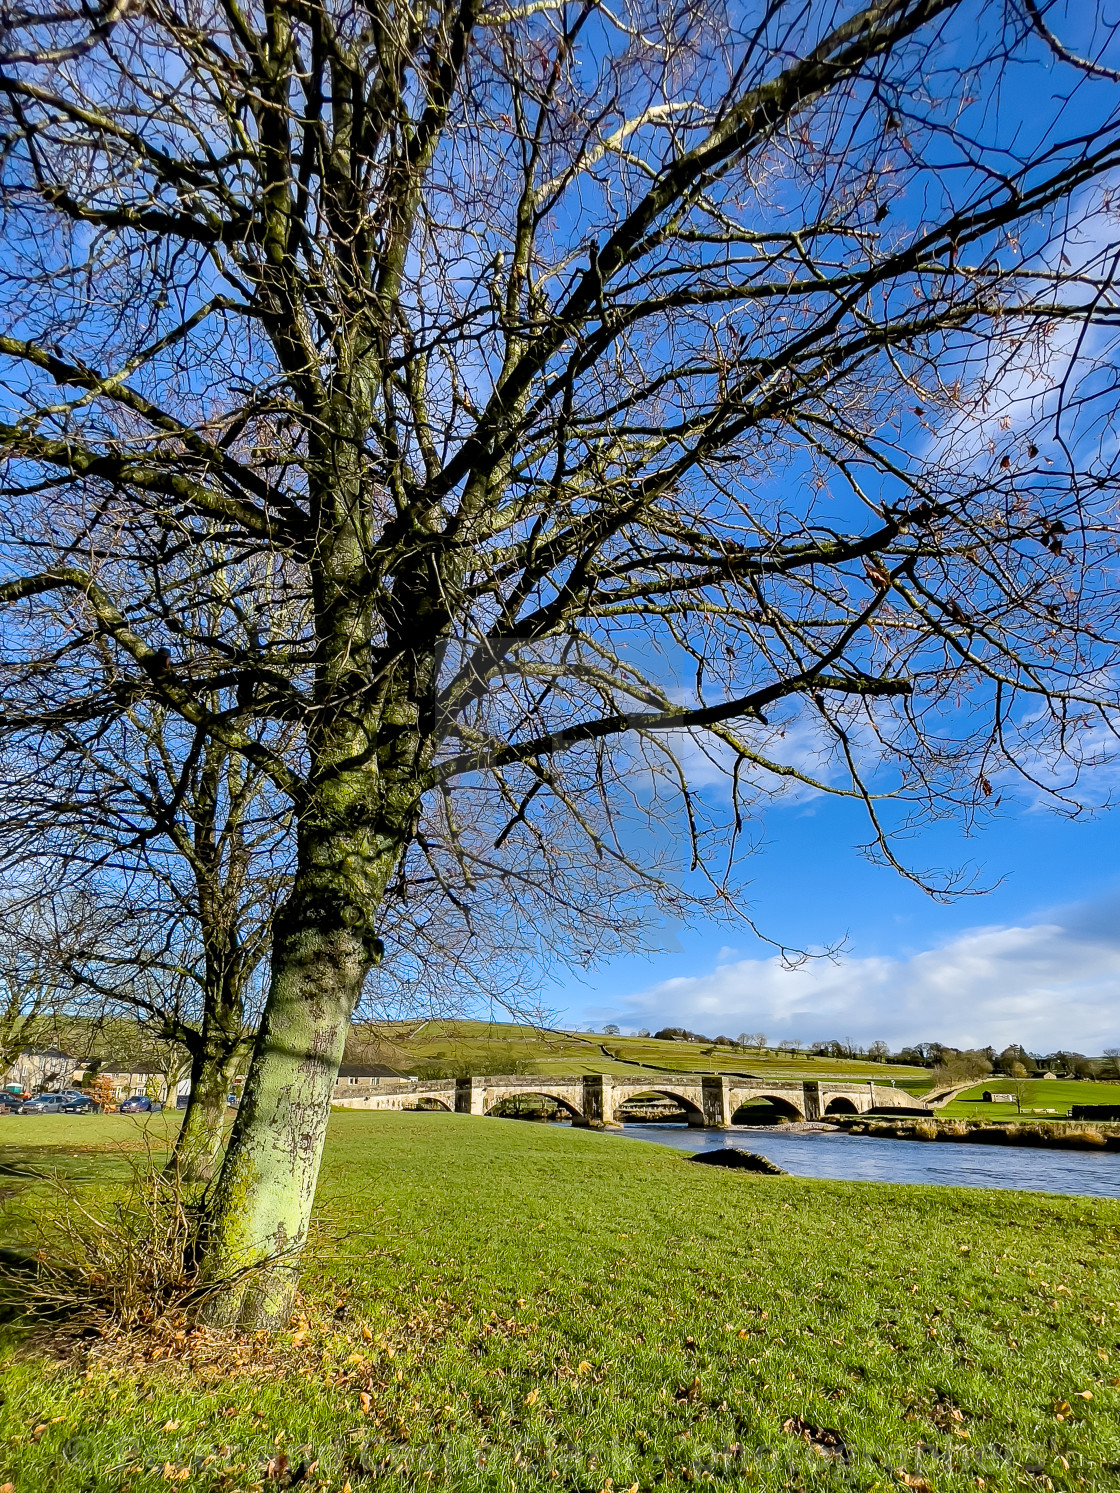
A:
(865, 1158)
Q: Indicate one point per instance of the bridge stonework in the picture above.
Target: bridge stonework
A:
(709, 1100)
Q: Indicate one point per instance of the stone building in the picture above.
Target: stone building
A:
(42, 1069)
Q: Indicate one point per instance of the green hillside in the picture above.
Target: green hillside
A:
(446, 1048)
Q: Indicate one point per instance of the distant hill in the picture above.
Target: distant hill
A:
(445, 1049)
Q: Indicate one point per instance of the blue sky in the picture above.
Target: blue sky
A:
(1036, 959)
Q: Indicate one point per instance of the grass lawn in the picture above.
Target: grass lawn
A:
(1039, 1096)
(494, 1305)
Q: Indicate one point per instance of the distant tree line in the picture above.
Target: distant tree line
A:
(948, 1063)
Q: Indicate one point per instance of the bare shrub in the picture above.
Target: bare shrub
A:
(92, 1260)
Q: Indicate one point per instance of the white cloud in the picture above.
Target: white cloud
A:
(1051, 984)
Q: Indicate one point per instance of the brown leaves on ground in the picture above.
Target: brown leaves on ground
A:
(177, 1345)
(184, 1348)
(948, 1417)
(825, 1442)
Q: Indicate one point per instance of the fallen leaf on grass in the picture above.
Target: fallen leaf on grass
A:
(173, 1474)
(825, 1442)
(171, 1425)
(583, 1367)
(1084, 1394)
(277, 1466)
(532, 1397)
(366, 1401)
(914, 1481)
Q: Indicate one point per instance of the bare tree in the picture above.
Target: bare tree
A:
(37, 927)
(617, 398)
(179, 850)
(185, 922)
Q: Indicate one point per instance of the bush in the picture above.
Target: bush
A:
(122, 1267)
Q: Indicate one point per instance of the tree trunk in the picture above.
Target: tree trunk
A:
(200, 1135)
(262, 1203)
(359, 814)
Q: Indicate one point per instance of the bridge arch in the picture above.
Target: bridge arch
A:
(841, 1106)
(558, 1099)
(693, 1112)
(751, 1105)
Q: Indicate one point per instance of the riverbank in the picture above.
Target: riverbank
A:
(1066, 1135)
(495, 1306)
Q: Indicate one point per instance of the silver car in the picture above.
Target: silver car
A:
(68, 1102)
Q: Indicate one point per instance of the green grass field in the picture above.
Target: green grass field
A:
(1040, 1098)
(493, 1305)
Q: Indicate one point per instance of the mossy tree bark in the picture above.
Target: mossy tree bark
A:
(263, 1202)
(213, 1068)
(368, 752)
(323, 950)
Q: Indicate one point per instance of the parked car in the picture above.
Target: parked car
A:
(139, 1104)
(68, 1102)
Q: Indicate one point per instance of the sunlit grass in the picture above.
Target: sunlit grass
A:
(494, 1305)
(1041, 1098)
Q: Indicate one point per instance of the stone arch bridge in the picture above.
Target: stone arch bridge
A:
(708, 1100)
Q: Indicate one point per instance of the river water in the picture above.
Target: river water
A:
(866, 1158)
